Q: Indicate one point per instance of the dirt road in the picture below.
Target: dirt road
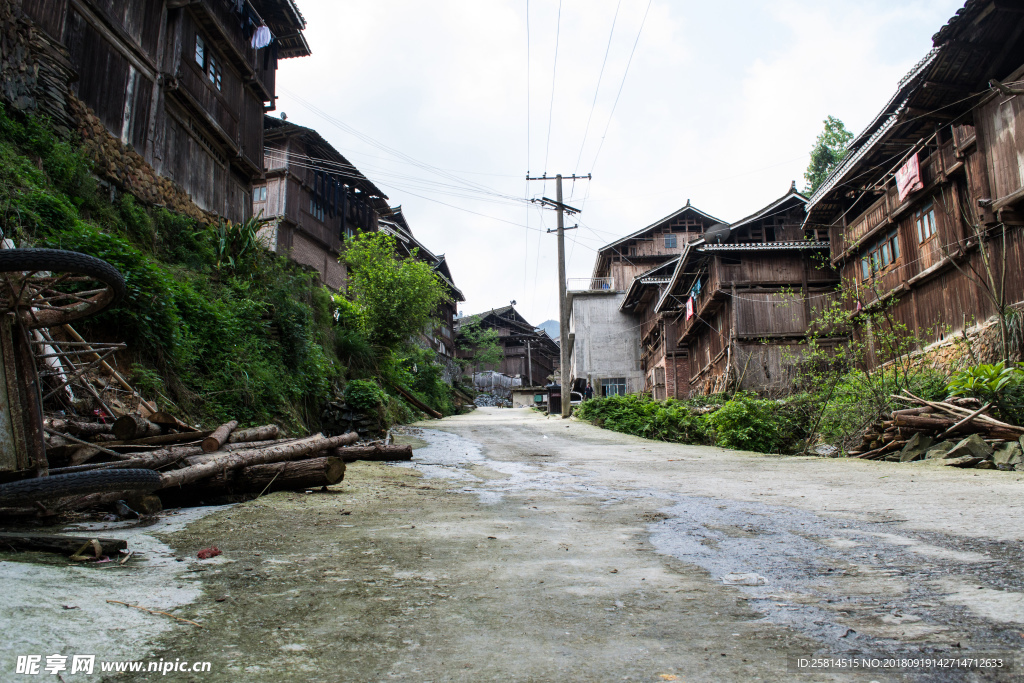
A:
(520, 548)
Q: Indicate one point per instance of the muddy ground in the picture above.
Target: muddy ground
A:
(520, 548)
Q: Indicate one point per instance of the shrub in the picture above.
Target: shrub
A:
(364, 395)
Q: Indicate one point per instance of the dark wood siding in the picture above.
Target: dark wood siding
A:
(48, 15)
(103, 72)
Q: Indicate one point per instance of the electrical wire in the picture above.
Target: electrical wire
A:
(625, 73)
(597, 89)
(554, 74)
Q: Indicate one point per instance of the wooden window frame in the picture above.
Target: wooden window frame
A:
(883, 255)
(670, 237)
(925, 217)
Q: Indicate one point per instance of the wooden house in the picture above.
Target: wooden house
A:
(622, 260)
(314, 198)
(627, 269)
(184, 82)
(527, 352)
(954, 134)
(733, 310)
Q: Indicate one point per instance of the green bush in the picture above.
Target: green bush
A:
(747, 424)
(364, 395)
(669, 420)
(997, 384)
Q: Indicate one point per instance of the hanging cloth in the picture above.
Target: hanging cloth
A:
(908, 178)
(330, 195)
(270, 54)
(262, 37)
(689, 308)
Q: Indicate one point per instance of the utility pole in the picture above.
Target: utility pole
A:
(563, 313)
(529, 364)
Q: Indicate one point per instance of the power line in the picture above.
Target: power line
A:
(623, 83)
(597, 89)
(554, 74)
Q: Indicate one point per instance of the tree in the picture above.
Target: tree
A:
(829, 149)
(395, 299)
(482, 343)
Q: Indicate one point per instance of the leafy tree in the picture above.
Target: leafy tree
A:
(483, 343)
(829, 149)
(395, 299)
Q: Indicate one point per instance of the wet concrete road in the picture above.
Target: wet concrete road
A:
(520, 548)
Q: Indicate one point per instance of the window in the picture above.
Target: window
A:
(615, 386)
(259, 194)
(214, 72)
(316, 209)
(632, 251)
(208, 63)
(670, 241)
(924, 219)
(880, 256)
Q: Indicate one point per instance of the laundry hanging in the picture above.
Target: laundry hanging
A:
(908, 178)
(262, 37)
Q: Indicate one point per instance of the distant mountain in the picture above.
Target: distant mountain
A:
(551, 327)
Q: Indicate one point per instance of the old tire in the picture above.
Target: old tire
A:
(77, 484)
(71, 262)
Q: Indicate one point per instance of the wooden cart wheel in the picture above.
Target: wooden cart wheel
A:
(50, 287)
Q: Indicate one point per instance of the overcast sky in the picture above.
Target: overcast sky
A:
(446, 105)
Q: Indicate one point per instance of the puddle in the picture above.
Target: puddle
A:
(50, 607)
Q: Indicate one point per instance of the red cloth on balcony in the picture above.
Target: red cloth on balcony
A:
(908, 178)
(689, 308)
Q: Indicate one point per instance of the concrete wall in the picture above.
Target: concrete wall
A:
(607, 341)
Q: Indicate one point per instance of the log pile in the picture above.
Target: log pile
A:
(223, 465)
(955, 432)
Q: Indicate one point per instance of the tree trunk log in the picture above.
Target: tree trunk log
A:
(194, 455)
(65, 545)
(377, 453)
(219, 437)
(131, 427)
(280, 476)
(82, 429)
(255, 456)
(169, 420)
(264, 433)
(416, 402)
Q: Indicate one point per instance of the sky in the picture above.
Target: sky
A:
(447, 105)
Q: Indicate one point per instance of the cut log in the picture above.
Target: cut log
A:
(964, 421)
(82, 429)
(264, 433)
(280, 476)
(131, 427)
(219, 436)
(913, 411)
(256, 456)
(416, 402)
(194, 455)
(168, 420)
(879, 452)
(376, 453)
(925, 422)
(65, 545)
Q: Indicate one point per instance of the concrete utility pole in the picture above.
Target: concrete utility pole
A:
(529, 364)
(563, 315)
(563, 312)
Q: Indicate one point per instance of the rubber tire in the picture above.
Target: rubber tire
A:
(61, 261)
(77, 484)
